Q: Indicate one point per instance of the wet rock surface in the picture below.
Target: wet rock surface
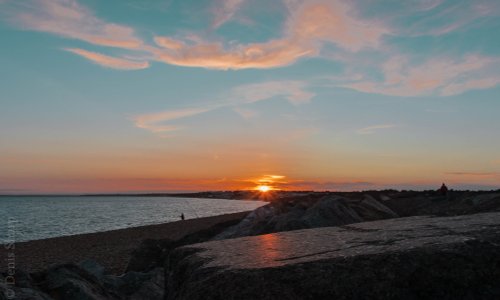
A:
(406, 258)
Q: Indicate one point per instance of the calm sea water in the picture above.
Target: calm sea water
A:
(32, 218)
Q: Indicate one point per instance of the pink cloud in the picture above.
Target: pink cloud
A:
(69, 19)
(310, 26)
(109, 61)
(444, 77)
(334, 22)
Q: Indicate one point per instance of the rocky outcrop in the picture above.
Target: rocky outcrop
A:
(151, 253)
(404, 258)
(84, 281)
(331, 210)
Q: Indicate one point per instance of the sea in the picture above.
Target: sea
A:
(25, 218)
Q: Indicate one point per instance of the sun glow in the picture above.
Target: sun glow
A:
(264, 188)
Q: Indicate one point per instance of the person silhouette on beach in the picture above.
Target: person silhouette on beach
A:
(182, 217)
(443, 190)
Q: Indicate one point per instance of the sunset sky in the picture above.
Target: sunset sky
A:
(179, 95)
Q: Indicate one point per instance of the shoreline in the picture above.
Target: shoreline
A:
(111, 249)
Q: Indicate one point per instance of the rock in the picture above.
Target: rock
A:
(252, 224)
(149, 255)
(485, 199)
(385, 198)
(404, 258)
(9, 292)
(93, 268)
(153, 288)
(370, 209)
(289, 221)
(152, 253)
(331, 210)
(137, 285)
(72, 282)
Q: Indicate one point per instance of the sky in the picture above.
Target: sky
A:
(186, 95)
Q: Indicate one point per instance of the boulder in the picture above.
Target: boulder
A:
(93, 268)
(485, 199)
(18, 293)
(152, 253)
(70, 281)
(404, 258)
(137, 285)
(370, 209)
(149, 255)
(252, 224)
(330, 210)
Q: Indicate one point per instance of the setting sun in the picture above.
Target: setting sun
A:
(263, 188)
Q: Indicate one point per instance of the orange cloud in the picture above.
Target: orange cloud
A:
(109, 61)
(311, 25)
(69, 19)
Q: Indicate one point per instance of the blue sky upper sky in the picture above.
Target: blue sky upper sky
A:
(157, 95)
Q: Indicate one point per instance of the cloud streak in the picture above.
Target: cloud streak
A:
(443, 77)
(374, 128)
(69, 19)
(155, 122)
(294, 91)
(109, 61)
(224, 11)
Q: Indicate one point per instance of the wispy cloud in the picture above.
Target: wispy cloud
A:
(246, 113)
(109, 61)
(224, 11)
(69, 19)
(312, 24)
(311, 29)
(444, 76)
(451, 17)
(294, 91)
(374, 128)
(155, 122)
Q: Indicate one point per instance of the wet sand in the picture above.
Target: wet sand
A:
(111, 249)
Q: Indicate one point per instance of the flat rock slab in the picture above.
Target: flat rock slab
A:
(406, 258)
